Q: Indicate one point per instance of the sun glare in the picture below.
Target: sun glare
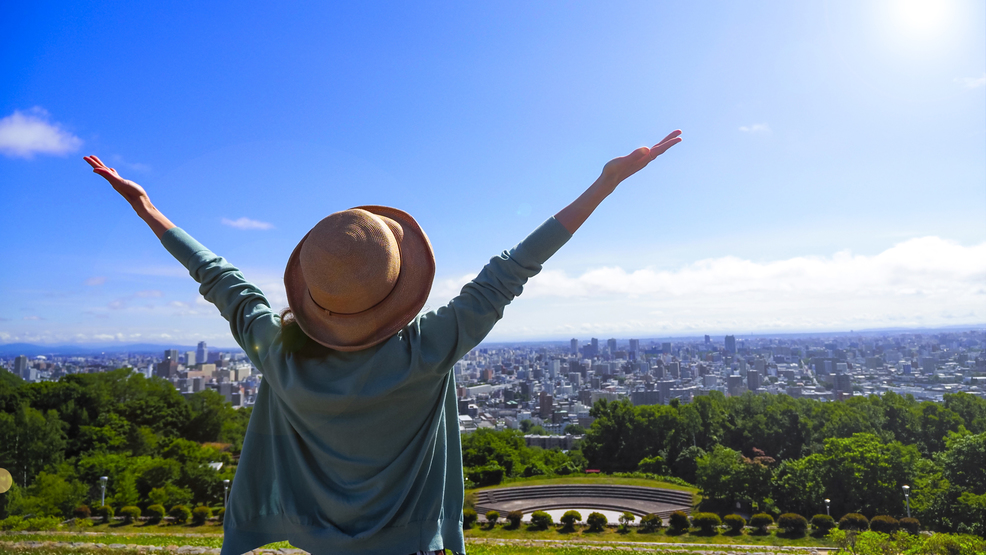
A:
(921, 19)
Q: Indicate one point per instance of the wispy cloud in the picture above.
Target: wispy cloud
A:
(24, 134)
(95, 280)
(972, 82)
(33, 318)
(247, 223)
(924, 281)
(119, 162)
(755, 128)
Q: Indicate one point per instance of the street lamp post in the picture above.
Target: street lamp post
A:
(102, 482)
(225, 492)
(827, 503)
(907, 499)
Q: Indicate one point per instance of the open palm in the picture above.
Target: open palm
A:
(618, 169)
(130, 190)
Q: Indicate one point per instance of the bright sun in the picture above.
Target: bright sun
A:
(921, 19)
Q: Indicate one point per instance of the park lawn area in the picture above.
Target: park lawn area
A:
(598, 479)
(210, 527)
(611, 534)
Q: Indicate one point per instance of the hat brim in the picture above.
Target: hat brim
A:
(353, 332)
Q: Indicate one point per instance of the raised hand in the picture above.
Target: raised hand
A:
(618, 169)
(128, 189)
(614, 172)
(135, 195)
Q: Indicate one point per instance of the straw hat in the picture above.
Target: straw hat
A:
(359, 276)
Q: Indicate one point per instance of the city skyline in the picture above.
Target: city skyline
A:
(831, 178)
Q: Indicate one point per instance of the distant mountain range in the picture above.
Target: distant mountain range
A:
(30, 350)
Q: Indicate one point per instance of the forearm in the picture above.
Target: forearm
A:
(151, 215)
(575, 214)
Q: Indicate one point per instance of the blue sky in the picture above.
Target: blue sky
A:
(832, 177)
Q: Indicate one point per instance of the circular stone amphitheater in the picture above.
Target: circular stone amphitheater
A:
(634, 499)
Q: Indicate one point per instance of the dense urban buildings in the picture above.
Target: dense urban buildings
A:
(554, 384)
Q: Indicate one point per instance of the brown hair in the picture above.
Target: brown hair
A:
(292, 338)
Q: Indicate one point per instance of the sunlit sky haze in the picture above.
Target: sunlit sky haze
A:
(832, 176)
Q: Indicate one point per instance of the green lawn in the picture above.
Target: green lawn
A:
(586, 479)
(580, 533)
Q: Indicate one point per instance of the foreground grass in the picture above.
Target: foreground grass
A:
(581, 533)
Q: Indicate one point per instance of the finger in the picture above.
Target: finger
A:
(98, 161)
(664, 146)
(90, 161)
(671, 135)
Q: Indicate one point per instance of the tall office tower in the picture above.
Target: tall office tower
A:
(20, 365)
(189, 358)
(708, 340)
(634, 345)
(675, 370)
(202, 353)
(753, 380)
(611, 344)
(545, 402)
(595, 347)
(575, 346)
(731, 344)
(666, 348)
(554, 368)
(734, 385)
(171, 355)
(843, 383)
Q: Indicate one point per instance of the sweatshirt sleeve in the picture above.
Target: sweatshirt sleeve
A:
(251, 320)
(448, 333)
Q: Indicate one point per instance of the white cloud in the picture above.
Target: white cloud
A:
(923, 282)
(972, 82)
(755, 128)
(150, 293)
(95, 280)
(33, 318)
(247, 223)
(24, 134)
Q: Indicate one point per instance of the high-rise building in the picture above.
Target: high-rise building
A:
(753, 380)
(190, 358)
(575, 346)
(172, 355)
(734, 385)
(546, 405)
(731, 344)
(611, 344)
(595, 347)
(708, 340)
(634, 345)
(20, 365)
(202, 353)
(666, 348)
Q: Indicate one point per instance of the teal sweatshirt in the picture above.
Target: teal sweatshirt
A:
(356, 452)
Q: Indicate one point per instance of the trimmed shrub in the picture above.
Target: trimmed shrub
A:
(13, 524)
(822, 523)
(82, 523)
(155, 513)
(884, 524)
(853, 521)
(735, 523)
(492, 517)
(130, 513)
(910, 525)
(469, 517)
(180, 513)
(571, 518)
(596, 522)
(792, 523)
(42, 523)
(625, 519)
(651, 522)
(514, 517)
(761, 521)
(105, 512)
(540, 520)
(708, 523)
(489, 475)
(82, 511)
(201, 514)
(678, 521)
